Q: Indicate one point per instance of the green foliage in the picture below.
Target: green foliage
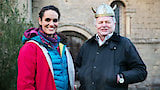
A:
(12, 27)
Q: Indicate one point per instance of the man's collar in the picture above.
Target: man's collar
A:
(115, 37)
(100, 42)
(106, 37)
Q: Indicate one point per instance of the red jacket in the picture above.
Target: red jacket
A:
(33, 70)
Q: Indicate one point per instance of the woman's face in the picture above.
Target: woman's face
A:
(49, 21)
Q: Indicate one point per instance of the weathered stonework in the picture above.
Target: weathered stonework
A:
(139, 21)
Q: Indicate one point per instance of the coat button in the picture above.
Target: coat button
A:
(97, 53)
(114, 48)
(94, 67)
(92, 83)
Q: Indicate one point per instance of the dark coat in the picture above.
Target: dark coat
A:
(98, 66)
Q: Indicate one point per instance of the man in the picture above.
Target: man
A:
(108, 61)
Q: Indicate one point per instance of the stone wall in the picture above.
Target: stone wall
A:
(145, 22)
(141, 23)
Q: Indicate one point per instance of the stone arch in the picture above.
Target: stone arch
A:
(76, 28)
(124, 2)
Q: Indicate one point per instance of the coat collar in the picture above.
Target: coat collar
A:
(115, 37)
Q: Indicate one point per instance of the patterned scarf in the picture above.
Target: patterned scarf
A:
(53, 39)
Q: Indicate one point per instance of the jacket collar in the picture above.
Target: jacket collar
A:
(115, 37)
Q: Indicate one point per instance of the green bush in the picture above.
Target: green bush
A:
(12, 27)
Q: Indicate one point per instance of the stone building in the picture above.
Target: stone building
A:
(138, 20)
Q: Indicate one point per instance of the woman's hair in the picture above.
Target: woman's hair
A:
(50, 7)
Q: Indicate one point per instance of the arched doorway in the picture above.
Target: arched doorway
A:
(74, 41)
(76, 35)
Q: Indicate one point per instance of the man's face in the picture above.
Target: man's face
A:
(105, 25)
(49, 22)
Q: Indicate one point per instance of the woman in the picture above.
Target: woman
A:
(44, 63)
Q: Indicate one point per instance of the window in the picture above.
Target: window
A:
(119, 15)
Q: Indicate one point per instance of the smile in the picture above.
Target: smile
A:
(104, 29)
(51, 29)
